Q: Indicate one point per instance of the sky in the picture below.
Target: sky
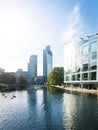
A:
(28, 26)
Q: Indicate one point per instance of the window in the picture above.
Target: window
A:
(78, 77)
(85, 67)
(85, 50)
(85, 54)
(67, 78)
(85, 76)
(73, 77)
(77, 69)
(93, 46)
(93, 55)
(93, 65)
(93, 76)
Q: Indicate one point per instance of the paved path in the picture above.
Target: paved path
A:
(77, 89)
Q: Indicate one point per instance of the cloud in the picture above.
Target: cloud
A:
(73, 24)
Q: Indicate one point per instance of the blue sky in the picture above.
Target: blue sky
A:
(27, 26)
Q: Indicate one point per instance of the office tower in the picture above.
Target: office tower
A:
(32, 66)
(47, 61)
(81, 62)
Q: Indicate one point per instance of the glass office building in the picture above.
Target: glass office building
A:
(81, 61)
(47, 61)
(32, 66)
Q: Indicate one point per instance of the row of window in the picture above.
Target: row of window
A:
(85, 67)
(88, 67)
(89, 47)
(93, 53)
(87, 57)
(84, 76)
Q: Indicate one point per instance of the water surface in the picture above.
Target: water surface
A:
(39, 108)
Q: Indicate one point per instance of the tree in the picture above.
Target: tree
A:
(22, 80)
(7, 78)
(56, 77)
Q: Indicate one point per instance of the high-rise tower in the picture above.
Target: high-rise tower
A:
(32, 66)
(47, 61)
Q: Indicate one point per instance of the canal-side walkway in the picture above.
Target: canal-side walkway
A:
(90, 91)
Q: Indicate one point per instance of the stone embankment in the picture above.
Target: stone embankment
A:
(90, 91)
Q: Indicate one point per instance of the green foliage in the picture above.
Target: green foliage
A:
(53, 90)
(56, 77)
(22, 80)
(8, 82)
(7, 78)
(6, 87)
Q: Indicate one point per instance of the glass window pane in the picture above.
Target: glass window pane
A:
(73, 77)
(93, 65)
(78, 77)
(85, 50)
(93, 55)
(85, 54)
(67, 78)
(93, 76)
(85, 67)
(93, 46)
(85, 76)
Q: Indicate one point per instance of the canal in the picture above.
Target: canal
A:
(41, 108)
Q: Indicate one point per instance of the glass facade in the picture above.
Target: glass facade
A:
(85, 54)
(80, 60)
(94, 55)
(93, 46)
(32, 66)
(47, 61)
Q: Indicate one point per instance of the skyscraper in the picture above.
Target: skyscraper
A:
(47, 61)
(32, 66)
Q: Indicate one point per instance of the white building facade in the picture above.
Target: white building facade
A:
(81, 61)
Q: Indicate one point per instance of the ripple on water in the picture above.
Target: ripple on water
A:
(40, 110)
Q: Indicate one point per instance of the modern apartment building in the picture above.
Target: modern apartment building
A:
(32, 66)
(47, 61)
(81, 62)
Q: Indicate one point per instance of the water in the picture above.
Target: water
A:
(39, 108)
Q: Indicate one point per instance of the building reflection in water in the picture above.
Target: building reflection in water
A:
(69, 110)
(79, 111)
(39, 108)
(44, 110)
